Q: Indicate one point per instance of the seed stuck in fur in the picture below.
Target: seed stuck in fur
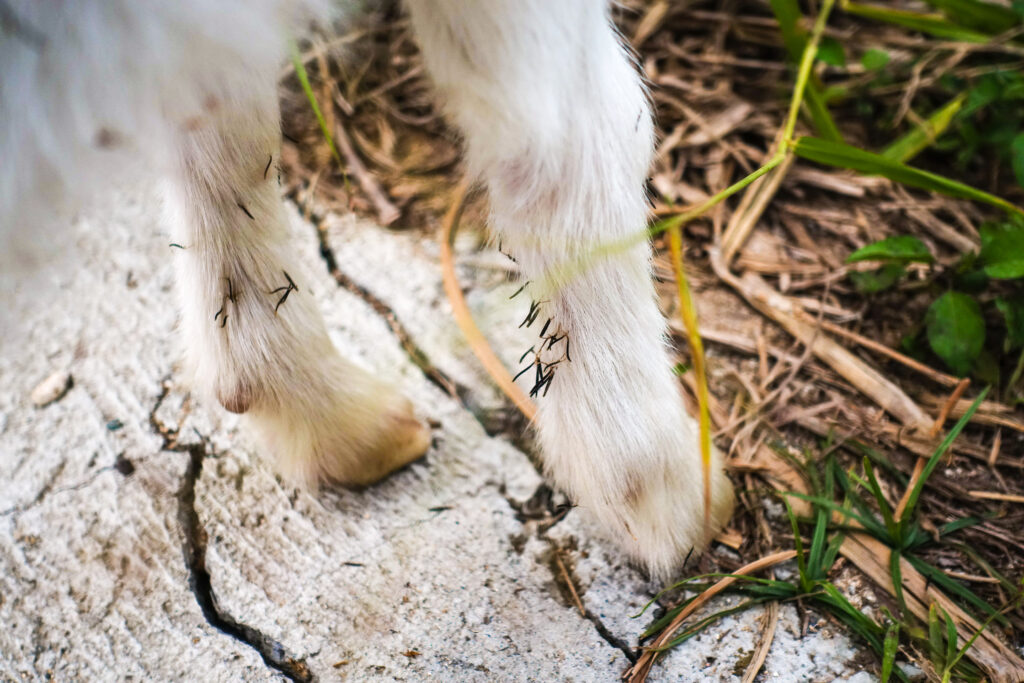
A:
(287, 289)
(230, 296)
(531, 316)
(510, 257)
(520, 290)
(545, 371)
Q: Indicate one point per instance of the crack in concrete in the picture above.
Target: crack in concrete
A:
(543, 512)
(194, 550)
(415, 353)
(510, 422)
(461, 393)
(48, 491)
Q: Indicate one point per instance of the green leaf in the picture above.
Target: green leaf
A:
(874, 59)
(968, 277)
(1002, 249)
(956, 330)
(788, 14)
(874, 281)
(831, 52)
(846, 156)
(986, 368)
(1012, 308)
(1017, 157)
(897, 249)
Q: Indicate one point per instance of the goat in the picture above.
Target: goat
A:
(556, 122)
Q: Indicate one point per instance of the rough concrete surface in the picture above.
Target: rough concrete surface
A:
(142, 535)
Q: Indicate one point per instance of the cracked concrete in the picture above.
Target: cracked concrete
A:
(142, 535)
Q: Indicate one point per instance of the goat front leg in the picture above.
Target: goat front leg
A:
(254, 339)
(556, 121)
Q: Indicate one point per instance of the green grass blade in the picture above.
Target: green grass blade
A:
(1008, 585)
(932, 24)
(300, 71)
(939, 578)
(951, 648)
(788, 14)
(794, 38)
(801, 561)
(817, 108)
(897, 578)
(857, 621)
(890, 647)
(846, 156)
(817, 552)
(832, 552)
(957, 524)
(870, 524)
(970, 641)
(816, 560)
(925, 134)
(883, 504)
(980, 16)
(935, 632)
(933, 461)
(699, 626)
(865, 512)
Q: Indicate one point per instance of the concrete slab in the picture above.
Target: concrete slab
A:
(142, 534)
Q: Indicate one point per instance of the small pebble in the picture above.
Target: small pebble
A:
(52, 388)
(114, 425)
(124, 465)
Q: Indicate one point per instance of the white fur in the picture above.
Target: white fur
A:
(555, 121)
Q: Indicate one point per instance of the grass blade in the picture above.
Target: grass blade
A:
(869, 523)
(932, 24)
(846, 156)
(939, 578)
(980, 16)
(883, 505)
(897, 578)
(934, 632)
(794, 38)
(688, 316)
(300, 71)
(699, 626)
(801, 561)
(925, 134)
(933, 461)
(817, 554)
(889, 649)
(951, 648)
